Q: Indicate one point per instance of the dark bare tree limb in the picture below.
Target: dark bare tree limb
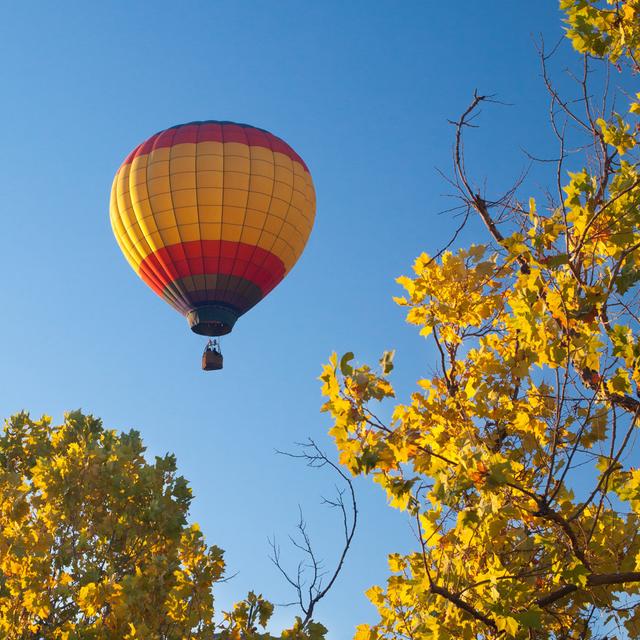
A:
(309, 595)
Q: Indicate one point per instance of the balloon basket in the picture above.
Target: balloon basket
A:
(212, 357)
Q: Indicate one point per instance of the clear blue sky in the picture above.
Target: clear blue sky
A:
(362, 91)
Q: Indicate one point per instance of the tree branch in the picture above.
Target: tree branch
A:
(316, 458)
(593, 580)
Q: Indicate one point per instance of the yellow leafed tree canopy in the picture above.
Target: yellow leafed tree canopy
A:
(95, 543)
(515, 459)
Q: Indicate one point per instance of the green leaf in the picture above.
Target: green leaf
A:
(345, 368)
(530, 619)
(386, 362)
(557, 260)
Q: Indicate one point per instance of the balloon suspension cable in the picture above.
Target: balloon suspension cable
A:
(213, 345)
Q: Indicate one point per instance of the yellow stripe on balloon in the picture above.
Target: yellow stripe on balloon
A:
(212, 191)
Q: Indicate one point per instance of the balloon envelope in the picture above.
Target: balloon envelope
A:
(212, 215)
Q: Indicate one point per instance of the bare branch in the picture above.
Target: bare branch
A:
(315, 591)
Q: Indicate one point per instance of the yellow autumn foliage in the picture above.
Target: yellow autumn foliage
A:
(95, 542)
(514, 458)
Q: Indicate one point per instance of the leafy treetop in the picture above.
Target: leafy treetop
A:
(512, 458)
(95, 543)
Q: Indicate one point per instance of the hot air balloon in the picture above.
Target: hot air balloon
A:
(212, 216)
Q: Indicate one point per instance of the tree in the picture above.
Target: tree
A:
(514, 459)
(95, 543)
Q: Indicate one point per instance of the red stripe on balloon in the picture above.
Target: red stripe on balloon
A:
(215, 132)
(199, 257)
